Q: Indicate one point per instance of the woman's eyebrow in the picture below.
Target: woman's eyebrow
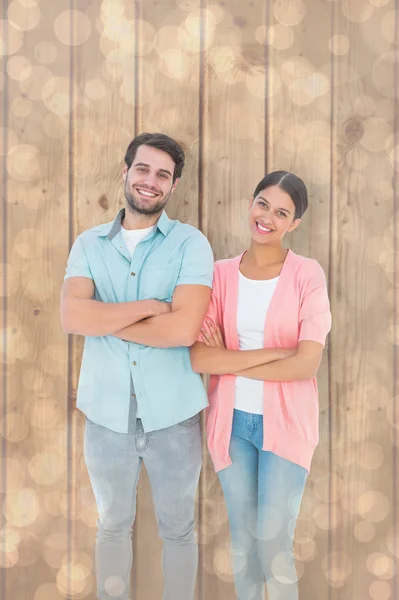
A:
(267, 202)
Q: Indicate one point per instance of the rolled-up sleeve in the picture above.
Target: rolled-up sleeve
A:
(197, 264)
(315, 314)
(78, 265)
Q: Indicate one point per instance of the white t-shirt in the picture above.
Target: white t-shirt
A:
(132, 237)
(253, 302)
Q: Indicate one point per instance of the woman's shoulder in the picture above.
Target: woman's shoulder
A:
(308, 269)
(225, 265)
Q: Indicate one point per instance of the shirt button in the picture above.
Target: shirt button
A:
(132, 274)
(134, 363)
(133, 395)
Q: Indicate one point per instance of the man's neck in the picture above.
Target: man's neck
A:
(133, 220)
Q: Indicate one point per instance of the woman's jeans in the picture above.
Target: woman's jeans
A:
(172, 458)
(263, 493)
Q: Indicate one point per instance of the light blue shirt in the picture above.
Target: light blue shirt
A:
(167, 390)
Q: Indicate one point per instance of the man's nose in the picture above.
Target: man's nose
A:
(150, 180)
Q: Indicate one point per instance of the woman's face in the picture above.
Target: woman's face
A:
(271, 215)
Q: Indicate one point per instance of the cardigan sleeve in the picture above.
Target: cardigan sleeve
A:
(213, 308)
(314, 312)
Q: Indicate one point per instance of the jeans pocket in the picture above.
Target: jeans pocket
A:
(191, 422)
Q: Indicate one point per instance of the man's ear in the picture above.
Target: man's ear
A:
(124, 173)
(175, 184)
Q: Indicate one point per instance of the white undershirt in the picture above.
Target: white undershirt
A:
(132, 237)
(253, 302)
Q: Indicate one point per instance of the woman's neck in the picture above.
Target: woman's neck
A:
(264, 256)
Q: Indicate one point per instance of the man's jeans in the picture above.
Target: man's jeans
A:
(172, 458)
(263, 493)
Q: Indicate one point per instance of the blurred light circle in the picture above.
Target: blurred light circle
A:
(29, 549)
(46, 468)
(37, 84)
(375, 134)
(380, 565)
(11, 38)
(339, 45)
(8, 559)
(21, 107)
(370, 456)
(23, 162)
(19, 67)
(373, 506)
(364, 531)
(388, 22)
(357, 158)
(289, 12)
(55, 126)
(72, 27)
(380, 590)
(357, 11)
(95, 89)
(280, 37)
(54, 548)
(23, 18)
(364, 105)
(22, 508)
(114, 586)
(48, 591)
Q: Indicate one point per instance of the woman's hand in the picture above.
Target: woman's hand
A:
(213, 337)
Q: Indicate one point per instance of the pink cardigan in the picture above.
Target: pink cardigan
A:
(299, 310)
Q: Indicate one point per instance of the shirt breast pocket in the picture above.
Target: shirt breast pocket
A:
(158, 282)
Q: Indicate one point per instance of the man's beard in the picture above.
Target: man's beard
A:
(134, 205)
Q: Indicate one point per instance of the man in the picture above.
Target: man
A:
(138, 288)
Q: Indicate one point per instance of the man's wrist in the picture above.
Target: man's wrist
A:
(146, 308)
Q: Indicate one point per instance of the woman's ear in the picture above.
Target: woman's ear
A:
(293, 225)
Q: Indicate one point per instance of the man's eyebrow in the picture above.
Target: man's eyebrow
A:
(267, 201)
(140, 164)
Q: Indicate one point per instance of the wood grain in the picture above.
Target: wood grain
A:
(299, 140)
(361, 359)
(103, 126)
(168, 99)
(245, 86)
(234, 142)
(37, 243)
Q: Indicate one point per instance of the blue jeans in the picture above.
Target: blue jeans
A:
(263, 493)
(173, 459)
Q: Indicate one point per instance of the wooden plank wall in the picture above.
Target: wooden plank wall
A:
(247, 86)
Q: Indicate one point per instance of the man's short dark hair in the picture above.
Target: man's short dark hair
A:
(161, 142)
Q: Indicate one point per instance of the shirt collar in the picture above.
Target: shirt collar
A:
(110, 230)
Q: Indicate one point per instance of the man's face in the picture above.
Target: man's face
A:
(149, 181)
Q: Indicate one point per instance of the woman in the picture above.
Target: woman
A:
(262, 343)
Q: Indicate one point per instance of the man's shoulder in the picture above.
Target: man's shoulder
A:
(95, 232)
(187, 232)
